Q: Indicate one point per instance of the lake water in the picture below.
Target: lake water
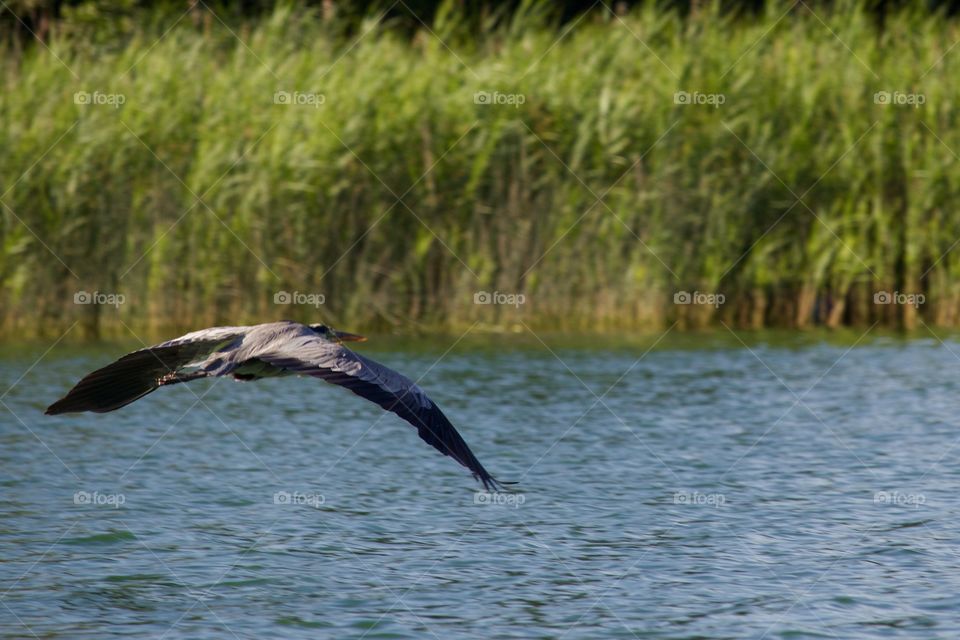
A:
(799, 488)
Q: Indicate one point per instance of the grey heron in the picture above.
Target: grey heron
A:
(267, 350)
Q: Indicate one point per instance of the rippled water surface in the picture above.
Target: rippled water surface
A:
(793, 489)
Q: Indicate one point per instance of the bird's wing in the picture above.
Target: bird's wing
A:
(334, 363)
(137, 374)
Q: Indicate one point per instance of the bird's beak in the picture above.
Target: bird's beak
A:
(343, 336)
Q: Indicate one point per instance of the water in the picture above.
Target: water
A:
(797, 489)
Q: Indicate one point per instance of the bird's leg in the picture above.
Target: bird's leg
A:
(173, 377)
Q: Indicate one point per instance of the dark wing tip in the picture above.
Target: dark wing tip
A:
(491, 484)
(70, 403)
(63, 405)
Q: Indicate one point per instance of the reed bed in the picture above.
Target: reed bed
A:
(389, 180)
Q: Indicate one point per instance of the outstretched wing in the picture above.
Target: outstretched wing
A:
(137, 374)
(334, 363)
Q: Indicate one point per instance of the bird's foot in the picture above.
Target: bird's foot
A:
(174, 378)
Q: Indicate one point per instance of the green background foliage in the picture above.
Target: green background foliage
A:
(400, 197)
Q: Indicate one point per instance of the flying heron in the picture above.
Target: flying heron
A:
(268, 350)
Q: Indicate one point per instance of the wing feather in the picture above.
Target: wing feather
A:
(334, 363)
(138, 373)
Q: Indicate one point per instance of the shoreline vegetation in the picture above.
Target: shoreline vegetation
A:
(616, 173)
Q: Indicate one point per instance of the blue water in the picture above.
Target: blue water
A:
(796, 489)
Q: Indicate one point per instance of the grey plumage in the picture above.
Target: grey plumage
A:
(266, 350)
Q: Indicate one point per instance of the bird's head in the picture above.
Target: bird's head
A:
(338, 336)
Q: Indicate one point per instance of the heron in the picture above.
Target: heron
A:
(249, 353)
